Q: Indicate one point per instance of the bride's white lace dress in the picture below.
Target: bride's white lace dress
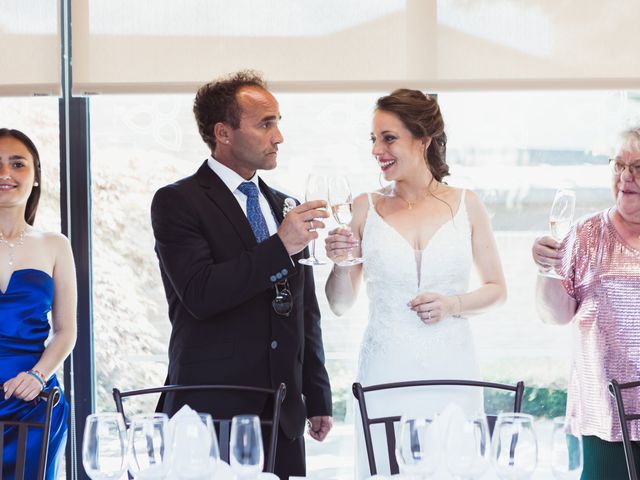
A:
(397, 345)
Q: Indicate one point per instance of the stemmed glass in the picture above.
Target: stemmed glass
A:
(560, 219)
(104, 446)
(417, 446)
(468, 447)
(566, 450)
(194, 449)
(246, 453)
(316, 190)
(148, 449)
(514, 446)
(341, 200)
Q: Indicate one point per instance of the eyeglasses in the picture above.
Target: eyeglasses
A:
(617, 166)
(283, 303)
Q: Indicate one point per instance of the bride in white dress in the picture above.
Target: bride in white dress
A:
(419, 240)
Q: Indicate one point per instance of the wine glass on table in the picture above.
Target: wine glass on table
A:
(341, 201)
(468, 447)
(246, 453)
(560, 220)
(514, 446)
(148, 449)
(194, 450)
(417, 446)
(566, 451)
(316, 190)
(104, 446)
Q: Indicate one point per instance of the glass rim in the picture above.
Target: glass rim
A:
(515, 415)
(105, 415)
(245, 418)
(149, 416)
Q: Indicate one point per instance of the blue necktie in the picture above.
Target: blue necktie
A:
(254, 214)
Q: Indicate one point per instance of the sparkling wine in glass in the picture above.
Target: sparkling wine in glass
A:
(316, 190)
(418, 446)
(104, 446)
(246, 453)
(341, 201)
(566, 451)
(514, 446)
(560, 219)
(148, 448)
(561, 215)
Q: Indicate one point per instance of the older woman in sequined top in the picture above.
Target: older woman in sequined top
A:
(599, 294)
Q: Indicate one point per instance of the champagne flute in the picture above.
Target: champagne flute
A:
(417, 446)
(468, 447)
(341, 200)
(104, 446)
(560, 219)
(566, 450)
(514, 446)
(246, 451)
(316, 190)
(561, 215)
(194, 449)
(148, 449)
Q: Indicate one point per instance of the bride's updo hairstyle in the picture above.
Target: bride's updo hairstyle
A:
(421, 115)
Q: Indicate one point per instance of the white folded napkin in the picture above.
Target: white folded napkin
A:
(189, 441)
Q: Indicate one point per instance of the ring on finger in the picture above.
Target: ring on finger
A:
(429, 315)
(310, 224)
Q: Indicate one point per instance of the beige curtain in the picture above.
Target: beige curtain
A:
(125, 46)
(29, 47)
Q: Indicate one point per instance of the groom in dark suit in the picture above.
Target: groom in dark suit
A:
(228, 258)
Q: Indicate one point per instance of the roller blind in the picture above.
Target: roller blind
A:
(176, 45)
(29, 47)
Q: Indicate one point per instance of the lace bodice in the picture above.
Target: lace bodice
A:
(395, 272)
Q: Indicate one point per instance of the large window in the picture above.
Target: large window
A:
(514, 149)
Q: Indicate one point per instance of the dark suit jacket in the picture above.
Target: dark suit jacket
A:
(219, 284)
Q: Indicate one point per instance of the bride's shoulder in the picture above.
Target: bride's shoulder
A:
(361, 203)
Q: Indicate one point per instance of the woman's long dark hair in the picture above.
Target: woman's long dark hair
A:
(34, 197)
(421, 115)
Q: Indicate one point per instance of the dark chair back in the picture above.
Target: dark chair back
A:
(616, 390)
(224, 424)
(360, 393)
(51, 398)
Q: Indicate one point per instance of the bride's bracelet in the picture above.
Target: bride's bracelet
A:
(38, 376)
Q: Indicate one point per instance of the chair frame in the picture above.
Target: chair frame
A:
(359, 392)
(224, 424)
(615, 389)
(51, 397)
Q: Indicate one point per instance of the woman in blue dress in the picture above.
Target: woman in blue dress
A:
(37, 277)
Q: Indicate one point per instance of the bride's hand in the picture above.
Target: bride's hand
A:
(338, 243)
(432, 307)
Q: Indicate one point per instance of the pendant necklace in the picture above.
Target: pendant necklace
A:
(410, 205)
(11, 245)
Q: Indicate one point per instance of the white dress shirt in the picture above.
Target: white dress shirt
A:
(232, 180)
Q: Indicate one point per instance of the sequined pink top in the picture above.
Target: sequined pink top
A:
(602, 273)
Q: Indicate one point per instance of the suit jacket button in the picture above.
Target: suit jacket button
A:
(279, 276)
(274, 345)
(273, 278)
(284, 272)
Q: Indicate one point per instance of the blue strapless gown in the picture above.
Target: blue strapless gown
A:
(23, 330)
